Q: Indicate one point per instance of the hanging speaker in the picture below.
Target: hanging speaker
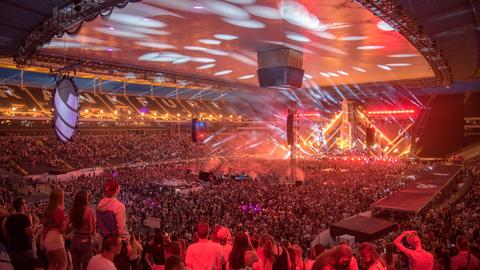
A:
(194, 130)
(369, 136)
(280, 67)
(290, 135)
(66, 109)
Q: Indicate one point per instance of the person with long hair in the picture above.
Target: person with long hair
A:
(155, 253)
(241, 244)
(390, 257)
(370, 259)
(312, 255)
(275, 255)
(82, 224)
(54, 224)
(135, 253)
(337, 257)
(295, 252)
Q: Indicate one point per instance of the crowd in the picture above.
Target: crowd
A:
(260, 223)
(41, 153)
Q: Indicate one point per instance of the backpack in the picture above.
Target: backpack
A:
(106, 222)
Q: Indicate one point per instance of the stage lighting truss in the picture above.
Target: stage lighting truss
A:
(68, 65)
(393, 14)
(68, 19)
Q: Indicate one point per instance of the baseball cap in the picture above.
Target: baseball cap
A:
(110, 187)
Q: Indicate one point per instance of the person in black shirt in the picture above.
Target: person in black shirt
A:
(20, 230)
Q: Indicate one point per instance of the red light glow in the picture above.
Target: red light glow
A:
(410, 111)
(308, 114)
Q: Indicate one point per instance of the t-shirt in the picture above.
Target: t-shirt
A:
(5, 263)
(461, 261)
(19, 240)
(203, 255)
(98, 262)
(419, 259)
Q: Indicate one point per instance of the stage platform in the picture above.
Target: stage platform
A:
(416, 196)
(362, 228)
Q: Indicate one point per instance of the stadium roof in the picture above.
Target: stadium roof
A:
(342, 41)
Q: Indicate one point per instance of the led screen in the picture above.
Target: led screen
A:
(66, 110)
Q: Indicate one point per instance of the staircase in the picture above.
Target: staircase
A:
(56, 157)
(468, 183)
(35, 100)
(469, 152)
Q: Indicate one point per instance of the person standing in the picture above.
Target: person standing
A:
(204, 254)
(111, 247)
(54, 224)
(20, 230)
(135, 253)
(241, 245)
(112, 219)
(370, 259)
(418, 258)
(390, 257)
(82, 224)
(275, 256)
(338, 256)
(464, 259)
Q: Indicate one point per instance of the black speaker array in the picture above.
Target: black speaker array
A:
(194, 130)
(369, 136)
(290, 134)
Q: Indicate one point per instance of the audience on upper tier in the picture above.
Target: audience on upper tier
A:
(260, 224)
(41, 153)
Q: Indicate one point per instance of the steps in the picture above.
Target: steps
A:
(467, 186)
(469, 152)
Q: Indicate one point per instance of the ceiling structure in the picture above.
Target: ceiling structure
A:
(455, 26)
(19, 18)
(343, 42)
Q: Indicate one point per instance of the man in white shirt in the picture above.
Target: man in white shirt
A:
(205, 254)
(418, 258)
(111, 246)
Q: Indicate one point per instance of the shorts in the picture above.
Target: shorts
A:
(53, 240)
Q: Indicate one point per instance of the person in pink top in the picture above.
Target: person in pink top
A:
(418, 258)
(464, 259)
(204, 254)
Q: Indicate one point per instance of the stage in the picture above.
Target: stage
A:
(362, 228)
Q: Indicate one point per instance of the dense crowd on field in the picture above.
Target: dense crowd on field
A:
(259, 223)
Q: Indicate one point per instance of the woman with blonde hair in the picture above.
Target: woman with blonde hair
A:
(339, 256)
(370, 259)
(295, 252)
(275, 256)
(54, 224)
